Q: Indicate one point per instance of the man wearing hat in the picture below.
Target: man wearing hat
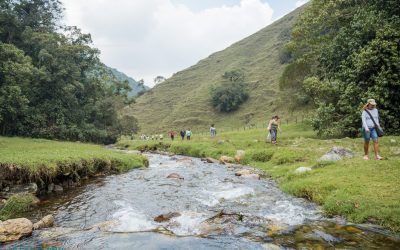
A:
(370, 122)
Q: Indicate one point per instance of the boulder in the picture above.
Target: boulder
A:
(50, 188)
(211, 160)
(47, 221)
(56, 232)
(58, 189)
(166, 217)
(301, 170)
(15, 229)
(336, 154)
(31, 188)
(221, 142)
(175, 176)
(251, 176)
(243, 172)
(185, 159)
(330, 157)
(226, 159)
(239, 155)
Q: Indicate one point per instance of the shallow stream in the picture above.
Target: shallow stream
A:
(208, 208)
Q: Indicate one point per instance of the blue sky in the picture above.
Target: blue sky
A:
(147, 38)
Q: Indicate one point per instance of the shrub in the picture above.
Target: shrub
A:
(17, 204)
(284, 156)
(228, 96)
(262, 155)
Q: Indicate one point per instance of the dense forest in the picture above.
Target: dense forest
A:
(52, 83)
(342, 53)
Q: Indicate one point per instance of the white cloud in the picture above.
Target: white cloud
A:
(146, 38)
(300, 3)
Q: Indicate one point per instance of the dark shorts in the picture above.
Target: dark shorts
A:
(372, 134)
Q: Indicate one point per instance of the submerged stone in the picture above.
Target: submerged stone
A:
(15, 229)
(166, 217)
(47, 221)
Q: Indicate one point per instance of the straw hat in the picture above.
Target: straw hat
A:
(372, 102)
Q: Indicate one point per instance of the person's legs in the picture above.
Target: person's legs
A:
(367, 138)
(273, 136)
(374, 136)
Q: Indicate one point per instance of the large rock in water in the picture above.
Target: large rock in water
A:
(226, 159)
(336, 154)
(166, 217)
(175, 176)
(15, 229)
(47, 221)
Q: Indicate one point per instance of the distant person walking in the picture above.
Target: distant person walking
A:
(188, 134)
(182, 133)
(213, 131)
(273, 127)
(371, 128)
(172, 134)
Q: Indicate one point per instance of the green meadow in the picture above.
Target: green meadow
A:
(40, 158)
(362, 191)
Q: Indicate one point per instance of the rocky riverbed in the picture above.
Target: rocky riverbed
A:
(181, 201)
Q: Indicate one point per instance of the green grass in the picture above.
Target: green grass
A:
(23, 159)
(16, 205)
(183, 101)
(362, 191)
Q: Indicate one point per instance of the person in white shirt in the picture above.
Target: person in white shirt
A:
(368, 128)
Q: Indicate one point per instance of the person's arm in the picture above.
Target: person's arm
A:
(269, 125)
(364, 120)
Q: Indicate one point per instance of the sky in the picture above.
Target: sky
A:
(148, 38)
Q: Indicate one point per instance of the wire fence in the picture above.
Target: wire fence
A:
(284, 121)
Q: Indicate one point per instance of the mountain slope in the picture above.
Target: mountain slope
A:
(137, 87)
(183, 101)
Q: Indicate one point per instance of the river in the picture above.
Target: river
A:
(208, 208)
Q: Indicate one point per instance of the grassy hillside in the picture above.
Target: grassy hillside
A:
(183, 100)
(363, 191)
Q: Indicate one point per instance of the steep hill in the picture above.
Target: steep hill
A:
(136, 86)
(183, 101)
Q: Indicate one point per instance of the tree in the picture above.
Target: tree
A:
(159, 79)
(351, 51)
(230, 94)
(53, 84)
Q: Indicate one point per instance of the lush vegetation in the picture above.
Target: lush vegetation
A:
(40, 160)
(343, 53)
(228, 96)
(363, 191)
(183, 100)
(52, 84)
(16, 205)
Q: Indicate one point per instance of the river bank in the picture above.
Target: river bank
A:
(34, 167)
(181, 201)
(362, 191)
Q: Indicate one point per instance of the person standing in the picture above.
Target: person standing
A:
(172, 134)
(370, 127)
(182, 133)
(213, 131)
(273, 127)
(188, 134)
